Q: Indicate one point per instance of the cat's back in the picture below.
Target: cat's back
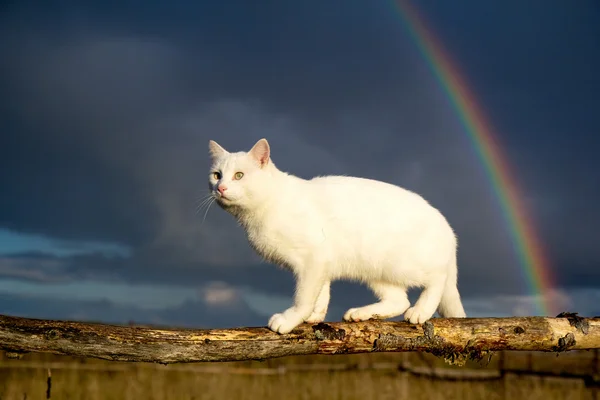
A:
(349, 189)
(363, 202)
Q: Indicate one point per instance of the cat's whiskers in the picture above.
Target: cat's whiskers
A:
(210, 203)
(204, 201)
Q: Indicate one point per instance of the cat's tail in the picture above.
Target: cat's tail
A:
(451, 305)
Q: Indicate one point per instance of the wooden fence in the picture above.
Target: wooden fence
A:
(591, 377)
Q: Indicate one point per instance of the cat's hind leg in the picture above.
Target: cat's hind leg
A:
(320, 311)
(393, 302)
(428, 301)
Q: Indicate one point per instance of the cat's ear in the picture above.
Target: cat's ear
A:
(261, 152)
(215, 150)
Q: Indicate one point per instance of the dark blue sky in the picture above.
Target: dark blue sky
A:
(106, 110)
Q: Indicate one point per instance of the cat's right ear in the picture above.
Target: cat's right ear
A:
(215, 150)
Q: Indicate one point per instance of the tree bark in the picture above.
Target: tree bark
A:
(456, 340)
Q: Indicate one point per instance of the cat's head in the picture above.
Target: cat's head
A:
(239, 180)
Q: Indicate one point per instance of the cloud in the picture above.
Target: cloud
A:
(219, 293)
(581, 300)
(191, 312)
(18, 243)
(45, 269)
(107, 125)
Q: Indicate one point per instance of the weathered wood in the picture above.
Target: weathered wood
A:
(453, 339)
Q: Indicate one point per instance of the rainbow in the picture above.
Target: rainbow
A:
(528, 248)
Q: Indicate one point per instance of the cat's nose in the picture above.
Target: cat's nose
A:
(222, 188)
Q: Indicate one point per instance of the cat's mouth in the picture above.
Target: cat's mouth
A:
(223, 200)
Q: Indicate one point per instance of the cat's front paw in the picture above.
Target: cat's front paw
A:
(285, 322)
(360, 314)
(416, 316)
(316, 317)
(352, 316)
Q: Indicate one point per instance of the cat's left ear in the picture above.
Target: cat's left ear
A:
(261, 152)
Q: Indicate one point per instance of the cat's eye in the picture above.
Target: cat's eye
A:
(216, 175)
(238, 176)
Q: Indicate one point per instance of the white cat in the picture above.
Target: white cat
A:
(336, 227)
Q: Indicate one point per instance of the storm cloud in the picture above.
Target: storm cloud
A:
(106, 113)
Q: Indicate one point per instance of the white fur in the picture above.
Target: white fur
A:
(336, 227)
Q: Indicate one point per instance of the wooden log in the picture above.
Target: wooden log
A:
(456, 340)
